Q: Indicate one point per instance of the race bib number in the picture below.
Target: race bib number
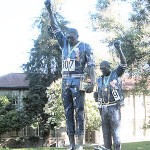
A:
(115, 95)
(68, 65)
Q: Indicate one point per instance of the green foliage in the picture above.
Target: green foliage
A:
(133, 48)
(4, 101)
(92, 114)
(106, 18)
(34, 139)
(138, 37)
(54, 107)
(140, 13)
(141, 86)
(134, 35)
(10, 118)
(43, 67)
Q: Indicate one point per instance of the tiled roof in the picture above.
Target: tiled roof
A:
(17, 80)
(129, 83)
(14, 80)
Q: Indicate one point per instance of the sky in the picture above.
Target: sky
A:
(17, 34)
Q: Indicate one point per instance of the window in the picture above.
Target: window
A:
(36, 131)
(15, 97)
(25, 131)
(13, 133)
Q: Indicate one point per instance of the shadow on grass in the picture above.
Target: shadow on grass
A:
(125, 146)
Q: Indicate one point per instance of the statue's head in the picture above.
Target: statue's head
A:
(105, 68)
(72, 35)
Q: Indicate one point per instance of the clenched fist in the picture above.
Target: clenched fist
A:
(48, 4)
(117, 44)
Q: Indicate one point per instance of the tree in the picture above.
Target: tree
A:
(43, 67)
(93, 121)
(135, 36)
(11, 119)
(54, 106)
(140, 20)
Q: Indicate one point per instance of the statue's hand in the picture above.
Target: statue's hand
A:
(47, 4)
(89, 88)
(95, 95)
(117, 45)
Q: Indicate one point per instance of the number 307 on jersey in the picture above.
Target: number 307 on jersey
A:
(68, 65)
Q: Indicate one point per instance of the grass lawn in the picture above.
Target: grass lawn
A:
(125, 146)
(136, 146)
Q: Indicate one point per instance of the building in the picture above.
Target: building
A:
(135, 113)
(16, 85)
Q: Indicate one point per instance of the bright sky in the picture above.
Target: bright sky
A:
(16, 33)
(17, 17)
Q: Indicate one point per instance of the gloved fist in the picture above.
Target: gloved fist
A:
(117, 44)
(89, 88)
(95, 95)
(48, 4)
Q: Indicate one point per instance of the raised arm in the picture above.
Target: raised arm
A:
(117, 45)
(53, 21)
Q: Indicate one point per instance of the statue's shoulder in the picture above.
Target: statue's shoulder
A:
(99, 79)
(86, 45)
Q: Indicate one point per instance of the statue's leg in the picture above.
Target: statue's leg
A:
(72, 142)
(115, 123)
(79, 99)
(106, 127)
(69, 114)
